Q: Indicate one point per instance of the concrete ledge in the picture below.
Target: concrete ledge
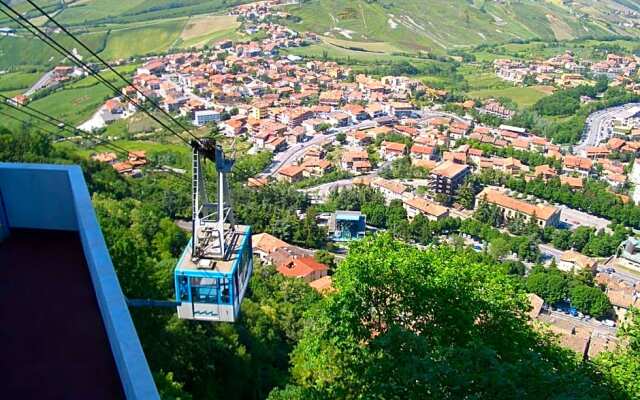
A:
(56, 197)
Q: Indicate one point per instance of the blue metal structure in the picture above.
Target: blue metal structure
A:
(213, 272)
(215, 294)
(348, 225)
(55, 197)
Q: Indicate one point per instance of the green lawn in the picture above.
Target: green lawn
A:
(28, 51)
(144, 40)
(15, 81)
(522, 96)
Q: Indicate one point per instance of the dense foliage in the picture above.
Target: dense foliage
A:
(405, 323)
(557, 287)
(443, 323)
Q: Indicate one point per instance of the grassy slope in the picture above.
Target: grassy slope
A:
(24, 50)
(442, 25)
(123, 43)
(523, 96)
(18, 80)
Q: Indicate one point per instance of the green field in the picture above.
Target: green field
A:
(18, 80)
(27, 51)
(443, 25)
(522, 96)
(586, 49)
(140, 41)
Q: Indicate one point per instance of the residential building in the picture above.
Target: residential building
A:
(447, 177)
(390, 189)
(290, 173)
(418, 205)
(574, 262)
(206, 116)
(544, 215)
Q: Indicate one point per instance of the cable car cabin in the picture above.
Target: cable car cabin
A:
(213, 289)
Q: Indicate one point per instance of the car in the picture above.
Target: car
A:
(610, 270)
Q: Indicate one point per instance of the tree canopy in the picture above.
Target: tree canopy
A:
(405, 323)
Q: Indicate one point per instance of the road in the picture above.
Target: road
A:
(44, 81)
(574, 218)
(598, 127)
(550, 252)
(427, 113)
(294, 152)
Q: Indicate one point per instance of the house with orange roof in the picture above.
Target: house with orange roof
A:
(392, 150)
(323, 285)
(355, 161)
(458, 157)
(290, 173)
(572, 182)
(276, 144)
(447, 177)
(123, 168)
(306, 268)
(418, 205)
(391, 190)
(597, 152)
(544, 215)
(544, 172)
(356, 112)
(577, 164)
(257, 182)
(423, 152)
(315, 167)
(137, 158)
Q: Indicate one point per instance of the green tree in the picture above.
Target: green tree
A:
(326, 258)
(404, 323)
(622, 366)
(590, 300)
(551, 286)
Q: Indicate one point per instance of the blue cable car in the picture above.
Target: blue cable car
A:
(213, 272)
(213, 292)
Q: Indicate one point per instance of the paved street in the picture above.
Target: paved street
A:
(44, 81)
(574, 218)
(598, 127)
(549, 252)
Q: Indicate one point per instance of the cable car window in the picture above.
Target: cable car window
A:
(204, 290)
(183, 288)
(225, 294)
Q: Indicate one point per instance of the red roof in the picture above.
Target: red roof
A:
(301, 267)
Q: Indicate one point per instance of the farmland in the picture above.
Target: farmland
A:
(444, 25)
(522, 96)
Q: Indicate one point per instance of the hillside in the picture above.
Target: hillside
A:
(445, 25)
(118, 28)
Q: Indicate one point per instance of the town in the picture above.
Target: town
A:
(329, 129)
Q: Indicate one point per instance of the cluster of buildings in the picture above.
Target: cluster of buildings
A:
(130, 167)
(291, 261)
(566, 70)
